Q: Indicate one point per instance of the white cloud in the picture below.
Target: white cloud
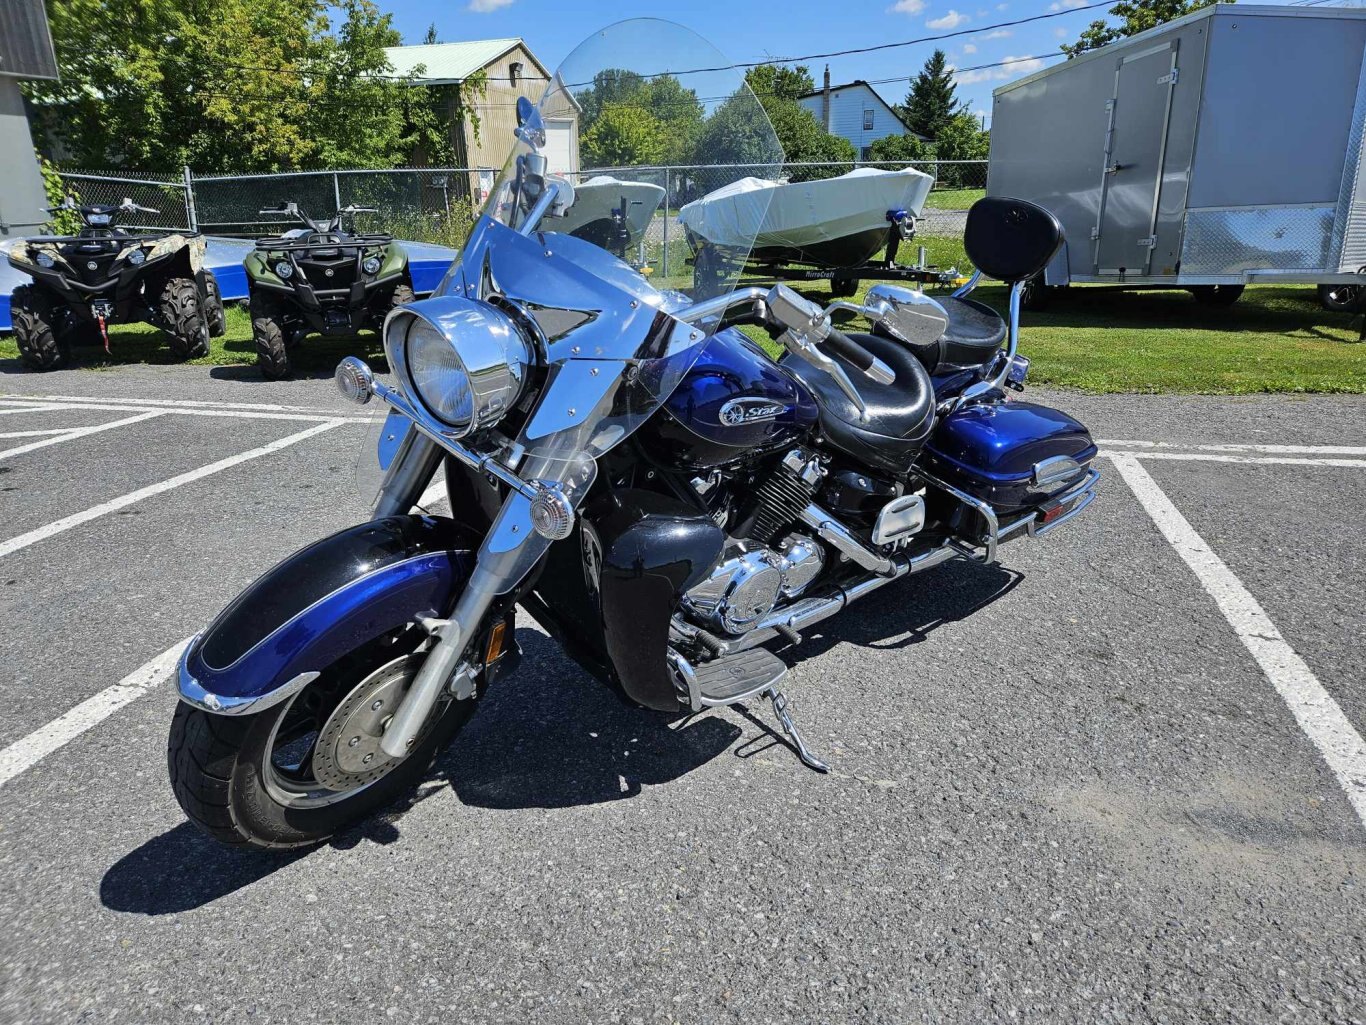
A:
(1016, 67)
(908, 6)
(951, 20)
(486, 6)
(1067, 5)
(1002, 7)
(1060, 33)
(969, 48)
(1000, 33)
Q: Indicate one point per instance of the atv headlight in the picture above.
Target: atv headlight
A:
(463, 360)
(137, 257)
(46, 261)
(371, 265)
(284, 270)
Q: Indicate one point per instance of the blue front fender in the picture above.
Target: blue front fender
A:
(319, 604)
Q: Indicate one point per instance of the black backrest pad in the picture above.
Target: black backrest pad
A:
(1010, 239)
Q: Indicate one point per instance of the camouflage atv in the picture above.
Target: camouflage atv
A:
(105, 275)
(321, 279)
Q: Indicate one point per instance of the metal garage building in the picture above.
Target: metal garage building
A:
(25, 52)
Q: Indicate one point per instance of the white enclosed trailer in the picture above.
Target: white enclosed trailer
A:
(1218, 150)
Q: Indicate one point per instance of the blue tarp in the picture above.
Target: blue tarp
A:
(427, 264)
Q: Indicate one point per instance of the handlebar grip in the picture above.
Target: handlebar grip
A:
(860, 357)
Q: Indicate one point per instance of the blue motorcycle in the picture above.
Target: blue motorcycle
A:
(669, 501)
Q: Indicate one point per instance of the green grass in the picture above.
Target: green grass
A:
(954, 199)
(1274, 339)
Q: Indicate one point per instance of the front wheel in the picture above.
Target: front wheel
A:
(37, 329)
(182, 319)
(296, 773)
(213, 307)
(268, 334)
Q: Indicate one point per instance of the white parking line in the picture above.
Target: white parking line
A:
(80, 432)
(37, 434)
(29, 409)
(25, 753)
(1313, 707)
(113, 505)
(273, 407)
(1280, 450)
(241, 414)
(1215, 457)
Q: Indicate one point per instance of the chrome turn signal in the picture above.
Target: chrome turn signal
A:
(552, 514)
(354, 380)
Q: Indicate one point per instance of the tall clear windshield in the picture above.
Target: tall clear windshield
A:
(579, 238)
(627, 120)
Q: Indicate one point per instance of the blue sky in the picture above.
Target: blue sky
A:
(748, 30)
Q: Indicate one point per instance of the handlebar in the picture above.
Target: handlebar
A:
(844, 346)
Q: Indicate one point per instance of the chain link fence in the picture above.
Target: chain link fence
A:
(438, 205)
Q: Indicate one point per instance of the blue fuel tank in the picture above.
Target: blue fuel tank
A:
(734, 402)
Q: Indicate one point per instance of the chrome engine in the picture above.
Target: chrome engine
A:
(746, 586)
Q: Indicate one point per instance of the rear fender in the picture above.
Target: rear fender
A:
(319, 604)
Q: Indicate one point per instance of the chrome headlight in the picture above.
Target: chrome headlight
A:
(464, 360)
(284, 270)
(46, 261)
(370, 265)
(137, 257)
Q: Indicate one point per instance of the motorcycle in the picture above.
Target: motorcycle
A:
(630, 468)
(325, 277)
(104, 275)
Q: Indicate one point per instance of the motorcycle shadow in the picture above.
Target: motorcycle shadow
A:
(552, 737)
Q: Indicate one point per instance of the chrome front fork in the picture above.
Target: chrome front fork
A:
(415, 464)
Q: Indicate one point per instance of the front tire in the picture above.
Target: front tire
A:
(183, 319)
(36, 320)
(213, 307)
(233, 775)
(268, 334)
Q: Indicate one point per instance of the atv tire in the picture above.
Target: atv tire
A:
(213, 307)
(403, 295)
(35, 330)
(182, 318)
(268, 332)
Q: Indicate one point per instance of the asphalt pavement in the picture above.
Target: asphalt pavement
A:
(1063, 788)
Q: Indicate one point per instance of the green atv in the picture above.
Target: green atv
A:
(326, 279)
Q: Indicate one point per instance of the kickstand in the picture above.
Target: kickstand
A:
(790, 728)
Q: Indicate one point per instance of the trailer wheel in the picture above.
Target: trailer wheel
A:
(708, 276)
(1217, 295)
(41, 347)
(1036, 295)
(843, 285)
(1342, 298)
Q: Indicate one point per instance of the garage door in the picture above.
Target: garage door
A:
(559, 146)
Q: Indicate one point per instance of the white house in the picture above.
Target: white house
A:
(855, 111)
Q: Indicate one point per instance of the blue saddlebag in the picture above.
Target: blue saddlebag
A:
(992, 450)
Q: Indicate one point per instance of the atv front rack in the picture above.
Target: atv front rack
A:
(331, 241)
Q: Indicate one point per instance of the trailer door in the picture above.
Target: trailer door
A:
(1135, 147)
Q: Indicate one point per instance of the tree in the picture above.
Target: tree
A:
(1136, 16)
(898, 147)
(430, 39)
(779, 81)
(961, 138)
(623, 135)
(739, 132)
(931, 103)
(674, 109)
(228, 85)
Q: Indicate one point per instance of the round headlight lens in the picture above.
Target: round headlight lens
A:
(440, 378)
(45, 260)
(284, 269)
(137, 257)
(371, 265)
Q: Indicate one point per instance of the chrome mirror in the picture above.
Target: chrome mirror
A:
(530, 126)
(907, 315)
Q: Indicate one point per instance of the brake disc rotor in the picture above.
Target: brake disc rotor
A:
(347, 754)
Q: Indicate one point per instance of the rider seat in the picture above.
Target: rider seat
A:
(974, 336)
(900, 414)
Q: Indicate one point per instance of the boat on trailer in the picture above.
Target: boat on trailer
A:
(611, 213)
(829, 222)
